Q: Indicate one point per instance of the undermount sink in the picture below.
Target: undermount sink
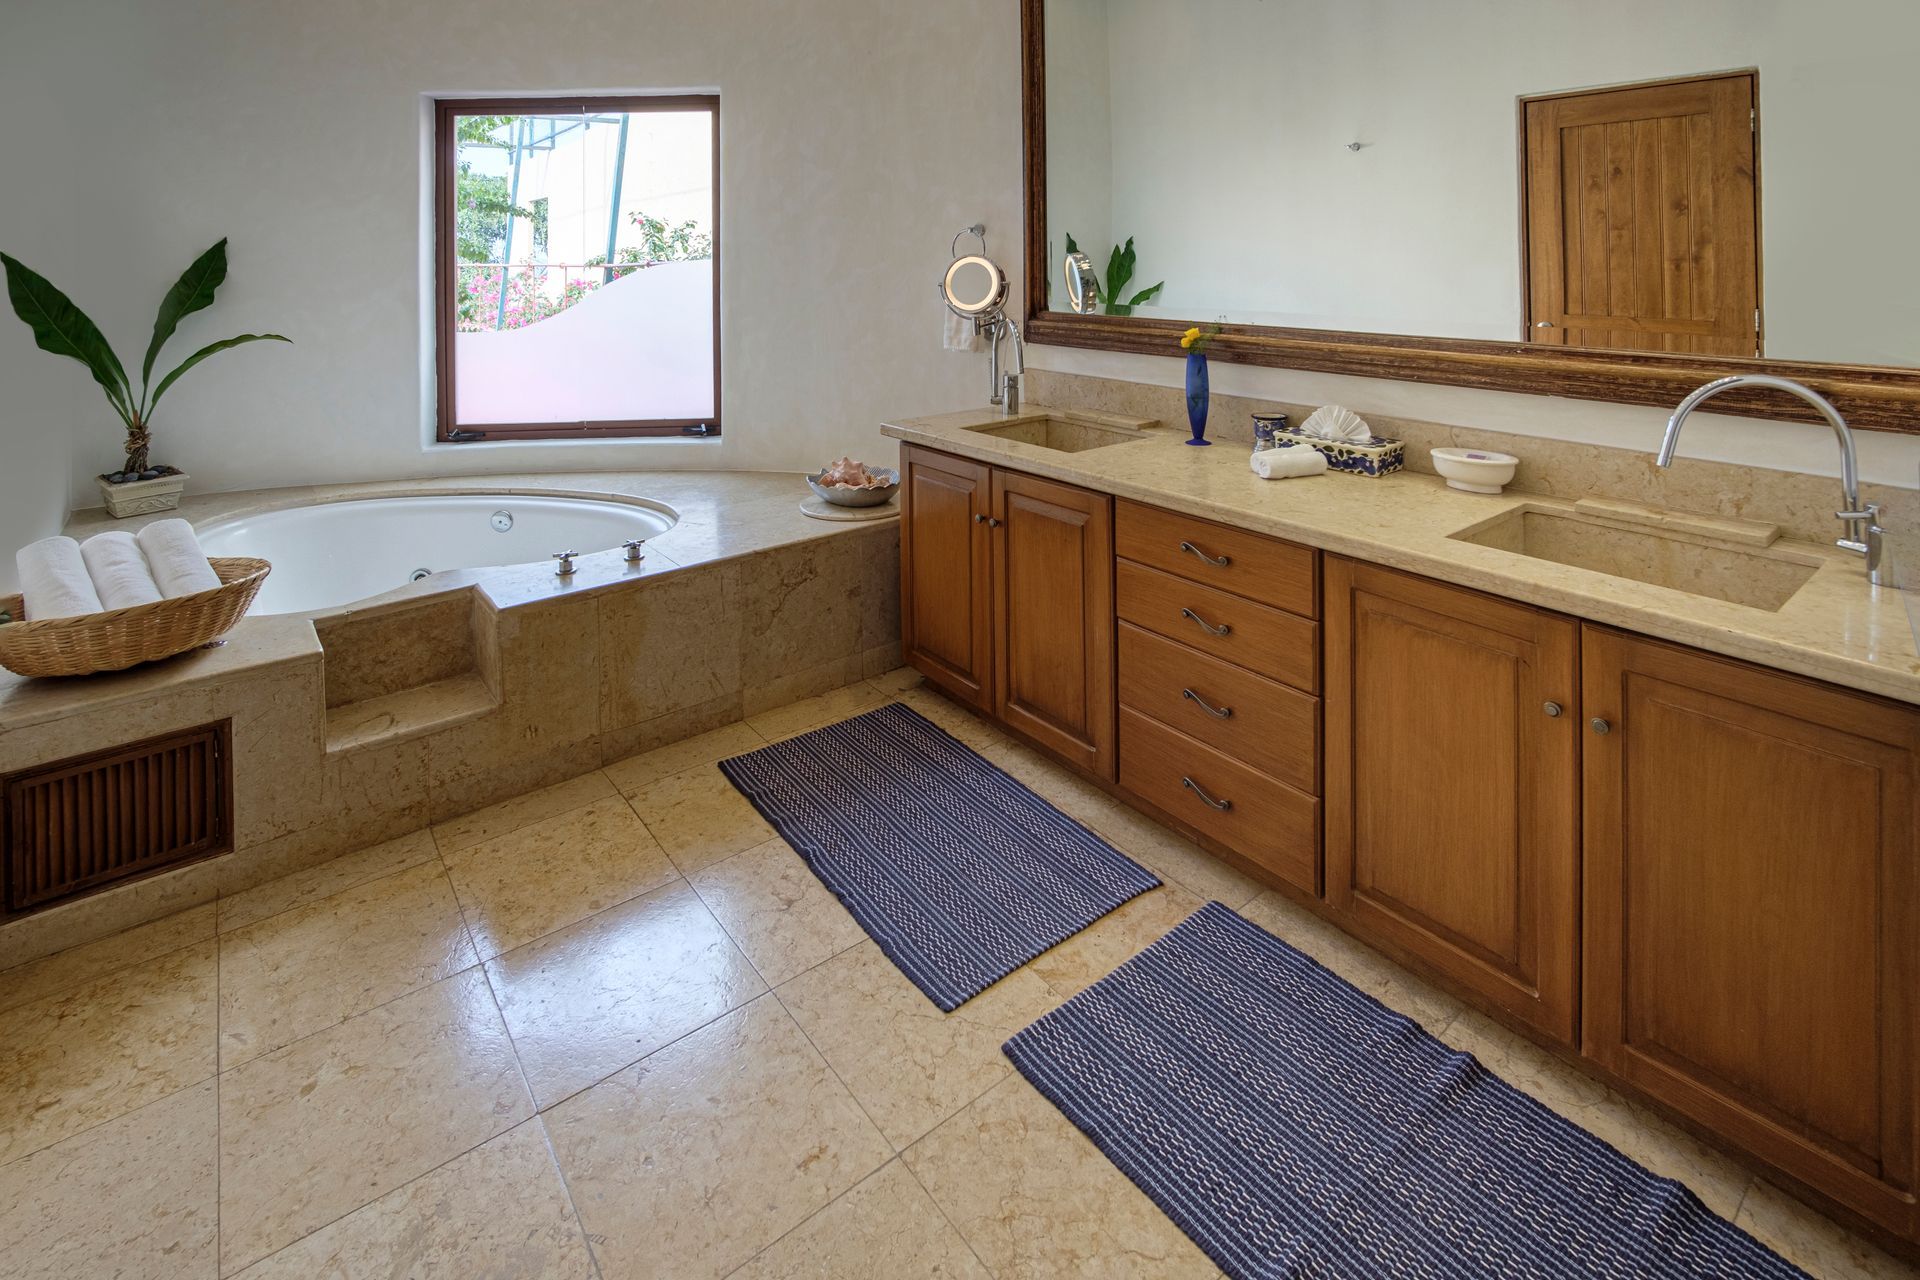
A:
(1062, 433)
(1760, 578)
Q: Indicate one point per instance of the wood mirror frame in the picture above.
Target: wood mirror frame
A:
(1879, 397)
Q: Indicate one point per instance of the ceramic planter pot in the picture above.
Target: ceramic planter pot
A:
(142, 497)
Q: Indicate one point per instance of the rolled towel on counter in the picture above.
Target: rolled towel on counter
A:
(54, 582)
(179, 565)
(1294, 460)
(119, 570)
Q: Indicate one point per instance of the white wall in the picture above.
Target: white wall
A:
(854, 142)
(1230, 120)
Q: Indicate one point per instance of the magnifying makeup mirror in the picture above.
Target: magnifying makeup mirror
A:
(1082, 289)
(976, 287)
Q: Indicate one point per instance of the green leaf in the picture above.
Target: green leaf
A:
(1145, 295)
(190, 293)
(62, 328)
(208, 350)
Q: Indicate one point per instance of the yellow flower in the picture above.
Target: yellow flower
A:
(1186, 341)
(1191, 334)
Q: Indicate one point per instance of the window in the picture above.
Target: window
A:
(578, 285)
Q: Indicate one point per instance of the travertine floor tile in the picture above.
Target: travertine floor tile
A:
(498, 1211)
(635, 772)
(777, 910)
(592, 998)
(909, 1065)
(687, 1164)
(304, 970)
(897, 681)
(94, 1052)
(814, 713)
(527, 883)
(970, 729)
(132, 1197)
(698, 818)
(1112, 940)
(313, 1131)
(1037, 1201)
(521, 811)
(1171, 857)
(887, 1228)
(1814, 1243)
(36, 979)
(325, 880)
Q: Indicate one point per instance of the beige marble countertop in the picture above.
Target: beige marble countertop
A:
(722, 515)
(1837, 627)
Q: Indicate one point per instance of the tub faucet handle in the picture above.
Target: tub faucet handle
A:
(565, 568)
(635, 550)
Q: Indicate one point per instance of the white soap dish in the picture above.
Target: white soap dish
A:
(1475, 470)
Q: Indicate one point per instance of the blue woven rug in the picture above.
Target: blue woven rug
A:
(1294, 1126)
(961, 874)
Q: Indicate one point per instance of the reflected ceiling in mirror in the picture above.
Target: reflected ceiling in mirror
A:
(1722, 179)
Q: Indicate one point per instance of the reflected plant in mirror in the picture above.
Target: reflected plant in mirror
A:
(1120, 264)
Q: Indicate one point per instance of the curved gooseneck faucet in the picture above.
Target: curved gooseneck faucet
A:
(1862, 522)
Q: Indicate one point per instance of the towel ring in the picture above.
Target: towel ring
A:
(978, 231)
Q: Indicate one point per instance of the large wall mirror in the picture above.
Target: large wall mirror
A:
(1611, 201)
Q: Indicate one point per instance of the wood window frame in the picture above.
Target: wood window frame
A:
(1881, 397)
(448, 430)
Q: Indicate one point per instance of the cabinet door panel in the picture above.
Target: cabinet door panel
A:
(1053, 577)
(1750, 923)
(1451, 792)
(946, 601)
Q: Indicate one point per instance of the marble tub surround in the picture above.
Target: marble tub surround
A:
(473, 686)
(1801, 505)
(697, 1067)
(1836, 627)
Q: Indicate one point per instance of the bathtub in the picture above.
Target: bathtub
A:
(333, 553)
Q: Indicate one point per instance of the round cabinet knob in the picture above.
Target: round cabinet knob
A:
(1553, 710)
(1600, 726)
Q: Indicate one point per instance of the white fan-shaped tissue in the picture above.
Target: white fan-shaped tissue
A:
(1337, 422)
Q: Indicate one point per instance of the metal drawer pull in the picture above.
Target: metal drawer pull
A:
(1600, 726)
(1554, 709)
(1221, 805)
(1218, 713)
(1218, 562)
(978, 518)
(1223, 629)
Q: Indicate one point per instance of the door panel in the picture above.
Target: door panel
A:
(946, 601)
(1450, 791)
(1750, 922)
(1642, 218)
(1053, 575)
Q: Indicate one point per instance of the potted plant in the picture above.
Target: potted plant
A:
(138, 487)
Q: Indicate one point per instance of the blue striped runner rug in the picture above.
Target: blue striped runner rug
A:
(1294, 1126)
(961, 874)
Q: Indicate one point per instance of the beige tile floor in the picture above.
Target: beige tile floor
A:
(615, 1028)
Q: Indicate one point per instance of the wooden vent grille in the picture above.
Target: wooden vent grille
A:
(92, 820)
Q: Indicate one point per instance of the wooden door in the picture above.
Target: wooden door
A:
(1642, 218)
(1053, 584)
(1452, 784)
(946, 568)
(1750, 910)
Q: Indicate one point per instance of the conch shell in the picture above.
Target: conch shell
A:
(852, 475)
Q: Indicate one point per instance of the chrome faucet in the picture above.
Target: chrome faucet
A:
(1006, 389)
(1862, 523)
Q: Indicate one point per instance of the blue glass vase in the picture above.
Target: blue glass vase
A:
(1197, 396)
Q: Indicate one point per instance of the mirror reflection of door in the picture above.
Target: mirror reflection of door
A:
(1642, 218)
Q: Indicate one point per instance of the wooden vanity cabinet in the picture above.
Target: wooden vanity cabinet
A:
(1006, 599)
(1752, 912)
(1452, 785)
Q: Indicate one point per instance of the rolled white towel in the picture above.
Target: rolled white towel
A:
(119, 570)
(179, 565)
(1294, 460)
(53, 580)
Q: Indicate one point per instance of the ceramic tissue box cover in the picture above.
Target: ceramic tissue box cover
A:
(1375, 456)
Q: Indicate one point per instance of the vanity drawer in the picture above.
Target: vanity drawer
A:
(1264, 820)
(1266, 725)
(1257, 567)
(1268, 641)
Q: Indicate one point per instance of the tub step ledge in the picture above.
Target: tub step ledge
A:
(410, 713)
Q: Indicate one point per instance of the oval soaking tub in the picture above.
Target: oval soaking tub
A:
(333, 553)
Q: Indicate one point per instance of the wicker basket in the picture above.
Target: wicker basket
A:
(122, 638)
